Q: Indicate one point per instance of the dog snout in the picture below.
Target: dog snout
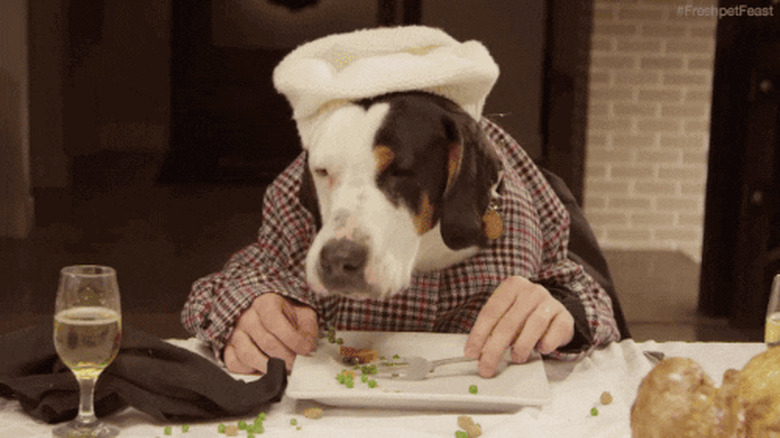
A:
(342, 264)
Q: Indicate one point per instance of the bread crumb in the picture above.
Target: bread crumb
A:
(231, 430)
(606, 398)
(466, 423)
(313, 413)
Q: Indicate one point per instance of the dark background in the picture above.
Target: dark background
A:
(154, 130)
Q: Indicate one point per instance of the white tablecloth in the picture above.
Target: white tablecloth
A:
(576, 387)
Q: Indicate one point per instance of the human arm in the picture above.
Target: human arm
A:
(271, 264)
(273, 326)
(559, 309)
(564, 314)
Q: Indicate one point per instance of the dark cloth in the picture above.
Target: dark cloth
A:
(584, 249)
(153, 376)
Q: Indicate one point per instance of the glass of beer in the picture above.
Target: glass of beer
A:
(772, 329)
(87, 334)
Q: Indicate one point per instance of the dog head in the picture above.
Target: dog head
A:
(398, 183)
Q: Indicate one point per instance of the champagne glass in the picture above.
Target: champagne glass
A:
(87, 333)
(772, 330)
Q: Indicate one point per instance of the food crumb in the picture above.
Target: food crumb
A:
(360, 355)
(606, 398)
(231, 430)
(471, 429)
(313, 413)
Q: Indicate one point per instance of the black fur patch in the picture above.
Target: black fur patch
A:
(307, 195)
(420, 128)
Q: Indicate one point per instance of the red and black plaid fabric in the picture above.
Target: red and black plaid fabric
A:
(533, 245)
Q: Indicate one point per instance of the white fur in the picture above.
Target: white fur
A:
(353, 207)
(434, 255)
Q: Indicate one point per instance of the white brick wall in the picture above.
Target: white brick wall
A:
(648, 124)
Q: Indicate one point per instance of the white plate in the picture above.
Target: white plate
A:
(314, 377)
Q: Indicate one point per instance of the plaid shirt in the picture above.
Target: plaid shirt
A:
(533, 245)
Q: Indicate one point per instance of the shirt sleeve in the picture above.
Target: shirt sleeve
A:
(273, 263)
(567, 281)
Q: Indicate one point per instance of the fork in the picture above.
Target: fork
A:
(655, 357)
(415, 367)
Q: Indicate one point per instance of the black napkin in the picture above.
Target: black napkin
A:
(166, 382)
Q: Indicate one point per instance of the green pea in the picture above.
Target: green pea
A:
(168, 430)
(372, 383)
(242, 425)
(473, 389)
(461, 434)
(594, 412)
(185, 428)
(221, 428)
(293, 422)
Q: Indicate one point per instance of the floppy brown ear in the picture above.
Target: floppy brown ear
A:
(467, 194)
(307, 195)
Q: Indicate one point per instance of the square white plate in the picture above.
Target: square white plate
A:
(314, 377)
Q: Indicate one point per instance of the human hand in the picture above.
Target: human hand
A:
(273, 326)
(520, 314)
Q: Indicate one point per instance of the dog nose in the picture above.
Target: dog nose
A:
(342, 262)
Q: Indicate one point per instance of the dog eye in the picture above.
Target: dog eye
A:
(321, 172)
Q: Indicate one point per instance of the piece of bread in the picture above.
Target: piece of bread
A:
(677, 398)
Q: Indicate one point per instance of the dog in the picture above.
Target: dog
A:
(398, 184)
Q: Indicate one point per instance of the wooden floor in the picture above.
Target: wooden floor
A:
(162, 238)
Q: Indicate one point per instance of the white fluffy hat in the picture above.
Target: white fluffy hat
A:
(326, 72)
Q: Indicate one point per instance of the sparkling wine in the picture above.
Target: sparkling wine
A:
(772, 331)
(87, 339)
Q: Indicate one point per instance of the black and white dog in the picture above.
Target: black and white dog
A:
(399, 184)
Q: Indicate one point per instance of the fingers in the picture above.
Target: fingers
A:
(272, 327)
(538, 324)
(304, 320)
(233, 364)
(263, 340)
(494, 309)
(503, 334)
(242, 355)
(522, 315)
(283, 319)
(560, 332)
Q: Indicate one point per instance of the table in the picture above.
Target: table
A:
(576, 387)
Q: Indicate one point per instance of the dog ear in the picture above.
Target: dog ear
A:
(307, 195)
(472, 172)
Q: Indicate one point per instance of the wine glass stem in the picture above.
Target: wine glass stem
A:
(87, 402)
